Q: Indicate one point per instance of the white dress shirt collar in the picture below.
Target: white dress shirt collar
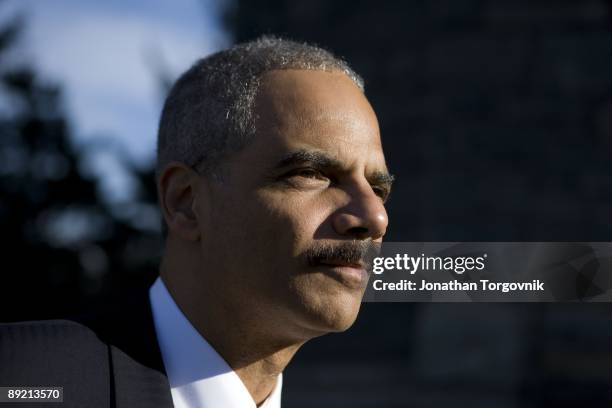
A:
(198, 375)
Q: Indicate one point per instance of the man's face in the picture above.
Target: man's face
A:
(313, 180)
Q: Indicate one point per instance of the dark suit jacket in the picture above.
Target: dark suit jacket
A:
(109, 360)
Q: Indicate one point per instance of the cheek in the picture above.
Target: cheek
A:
(295, 217)
(263, 227)
(264, 232)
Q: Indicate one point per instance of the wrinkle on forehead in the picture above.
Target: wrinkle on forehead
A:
(313, 102)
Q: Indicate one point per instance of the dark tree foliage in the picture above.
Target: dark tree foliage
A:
(63, 244)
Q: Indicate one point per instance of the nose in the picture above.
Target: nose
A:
(363, 217)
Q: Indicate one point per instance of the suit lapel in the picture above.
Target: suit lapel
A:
(136, 385)
(138, 377)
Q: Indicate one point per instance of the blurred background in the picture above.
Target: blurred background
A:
(495, 114)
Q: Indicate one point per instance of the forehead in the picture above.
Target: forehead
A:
(318, 110)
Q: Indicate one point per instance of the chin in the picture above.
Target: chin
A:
(323, 305)
(339, 325)
(333, 315)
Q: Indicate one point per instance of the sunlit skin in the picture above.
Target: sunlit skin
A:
(315, 172)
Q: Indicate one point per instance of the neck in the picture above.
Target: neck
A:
(251, 342)
(260, 376)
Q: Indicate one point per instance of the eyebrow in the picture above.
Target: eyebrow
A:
(323, 160)
(308, 156)
(381, 177)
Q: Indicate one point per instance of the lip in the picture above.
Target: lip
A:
(352, 275)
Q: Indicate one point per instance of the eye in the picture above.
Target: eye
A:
(382, 192)
(308, 173)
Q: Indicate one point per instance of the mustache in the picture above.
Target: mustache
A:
(350, 252)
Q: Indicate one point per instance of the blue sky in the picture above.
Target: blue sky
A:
(105, 55)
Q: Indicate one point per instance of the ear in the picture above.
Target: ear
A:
(177, 187)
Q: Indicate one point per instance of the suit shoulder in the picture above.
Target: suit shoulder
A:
(46, 333)
(50, 352)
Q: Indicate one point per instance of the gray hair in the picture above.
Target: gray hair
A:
(208, 113)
